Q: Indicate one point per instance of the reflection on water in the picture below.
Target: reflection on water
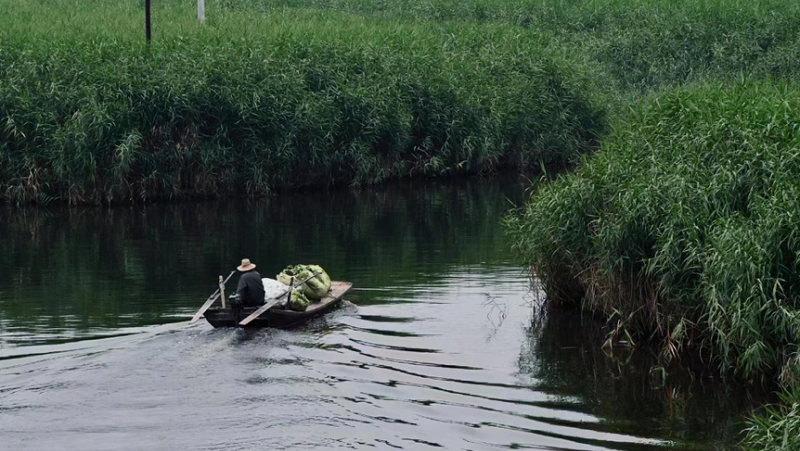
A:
(438, 347)
(563, 352)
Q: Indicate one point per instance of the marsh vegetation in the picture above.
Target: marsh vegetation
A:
(678, 224)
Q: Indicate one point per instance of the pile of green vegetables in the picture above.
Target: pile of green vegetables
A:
(317, 284)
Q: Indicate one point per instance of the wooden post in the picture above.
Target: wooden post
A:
(147, 20)
(210, 300)
(289, 298)
(222, 291)
(201, 10)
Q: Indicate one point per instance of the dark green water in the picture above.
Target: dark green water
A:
(438, 347)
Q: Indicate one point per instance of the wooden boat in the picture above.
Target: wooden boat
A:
(275, 317)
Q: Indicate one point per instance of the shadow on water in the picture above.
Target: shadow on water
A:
(438, 347)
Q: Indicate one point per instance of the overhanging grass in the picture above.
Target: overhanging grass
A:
(685, 226)
(776, 427)
(251, 103)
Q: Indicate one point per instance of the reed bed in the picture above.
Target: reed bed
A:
(683, 231)
(271, 95)
(776, 427)
(685, 226)
(642, 44)
(247, 104)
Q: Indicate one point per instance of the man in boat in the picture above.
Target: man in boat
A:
(250, 288)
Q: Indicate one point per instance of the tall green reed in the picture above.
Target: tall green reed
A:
(685, 226)
(248, 104)
(642, 44)
(775, 427)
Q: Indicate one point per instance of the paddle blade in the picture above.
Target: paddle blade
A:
(204, 308)
(258, 312)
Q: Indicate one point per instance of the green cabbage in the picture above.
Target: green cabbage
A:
(315, 288)
(324, 277)
(299, 301)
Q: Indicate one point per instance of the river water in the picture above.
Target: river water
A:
(440, 345)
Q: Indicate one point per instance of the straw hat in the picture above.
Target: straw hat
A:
(246, 265)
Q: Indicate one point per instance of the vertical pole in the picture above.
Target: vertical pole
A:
(201, 10)
(147, 20)
(289, 298)
(222, 291)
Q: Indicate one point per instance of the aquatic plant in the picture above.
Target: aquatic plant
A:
(642, 44)
(777, 427)
(276, 95)
(249, 103)
(684, 229)
(685, 226)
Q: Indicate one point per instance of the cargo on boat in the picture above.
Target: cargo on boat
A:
(274, 317)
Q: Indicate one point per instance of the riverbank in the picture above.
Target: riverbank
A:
(683, 229)
(683, 217)
(261, 102)
(274, 96)
(680, 230)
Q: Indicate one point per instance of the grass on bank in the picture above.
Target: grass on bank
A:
(253, 103)
(684, 229)
(271, 95)
(777, 427)
(685, 225)
(642, 44)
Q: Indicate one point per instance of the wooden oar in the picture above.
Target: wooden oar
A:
(274, 301)
(210, 300)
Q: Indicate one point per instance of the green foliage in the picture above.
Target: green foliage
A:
(251, 102)
(641, 43)
(687, 218)
(777, 428)
(271, 95)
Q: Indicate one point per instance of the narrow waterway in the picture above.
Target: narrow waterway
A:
(439, 346)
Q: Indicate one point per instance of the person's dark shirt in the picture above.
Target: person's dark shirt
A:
(251, 289)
